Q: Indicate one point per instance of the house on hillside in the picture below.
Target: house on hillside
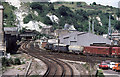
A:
(47, 30)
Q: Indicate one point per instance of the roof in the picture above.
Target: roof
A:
(73, 33)
(47, 27)
(10, 28)
(52, 41)
(59, 44)
(27, 35)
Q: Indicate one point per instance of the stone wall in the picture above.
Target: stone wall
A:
(2, 46)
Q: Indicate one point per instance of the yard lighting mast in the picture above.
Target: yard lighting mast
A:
(89, 25)
(93, 26)
(109, 28)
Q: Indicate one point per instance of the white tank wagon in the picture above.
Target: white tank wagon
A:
(76, 49)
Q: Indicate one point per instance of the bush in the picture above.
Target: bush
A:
(11, 61)
(17, 61)
(5, 62)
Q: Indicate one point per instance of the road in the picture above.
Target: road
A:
(110, 73)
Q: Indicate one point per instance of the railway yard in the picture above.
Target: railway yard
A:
(64, 64)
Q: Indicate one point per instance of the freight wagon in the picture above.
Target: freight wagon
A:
(49, 46)
(95, 50)
(115, 52)
(60, 47)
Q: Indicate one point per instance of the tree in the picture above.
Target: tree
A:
(51, 7)
(94, 3)
(27, 18)
(64, 11)
(47, 21)
(17, 61)
(79, 4)
(118, 25)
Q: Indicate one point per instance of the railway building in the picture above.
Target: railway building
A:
(82, 39)
(11, 37)
(116, 38)
(47, 30)
(28, 35)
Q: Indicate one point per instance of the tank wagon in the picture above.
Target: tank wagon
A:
(76, 49)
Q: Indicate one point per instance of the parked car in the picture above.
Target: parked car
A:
(112, 64)
(104, 66)
(116, 67)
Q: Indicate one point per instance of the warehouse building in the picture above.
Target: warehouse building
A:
(83, 39)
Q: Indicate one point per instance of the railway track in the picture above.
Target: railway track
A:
(55, 67)
(47, 56)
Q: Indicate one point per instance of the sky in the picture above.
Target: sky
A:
(113, 3)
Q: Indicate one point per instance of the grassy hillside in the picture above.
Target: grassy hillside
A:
(76, 14)
(9, 16)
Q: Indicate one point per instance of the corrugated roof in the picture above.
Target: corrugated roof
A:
(73, 33)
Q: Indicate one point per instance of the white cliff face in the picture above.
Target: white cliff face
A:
(69, 27)
(36, 13)
(21, 12)
(15, 3)
(117, 18)
(99, 21)
(53, 18)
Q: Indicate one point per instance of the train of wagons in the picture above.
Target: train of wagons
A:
(110, 51)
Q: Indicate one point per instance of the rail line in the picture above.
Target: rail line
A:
(55, 67)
